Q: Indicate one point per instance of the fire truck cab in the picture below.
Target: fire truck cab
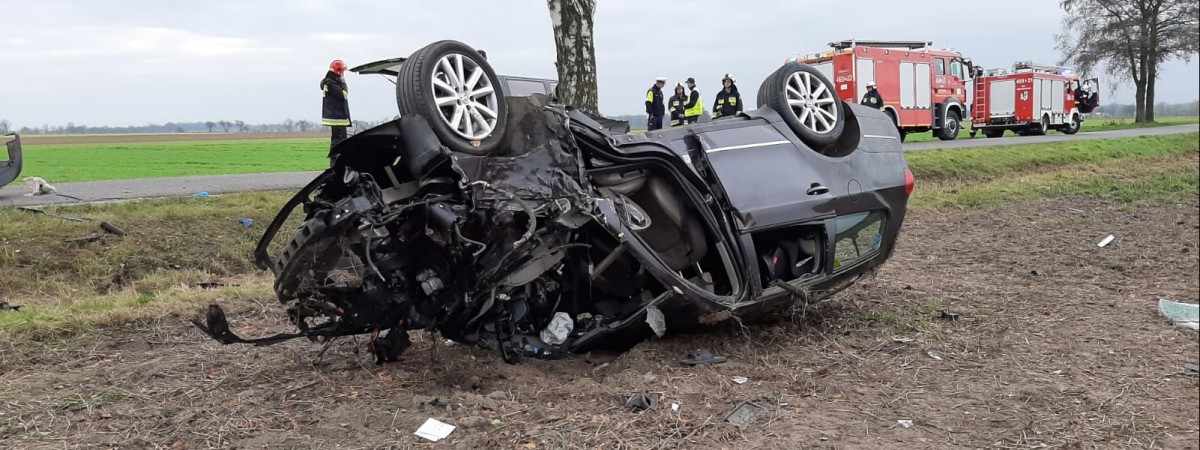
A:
(923, 88)
(1032, 99)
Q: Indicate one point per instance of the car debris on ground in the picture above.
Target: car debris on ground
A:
(434, 430)
(1182, 314)
(743, 414)
(702, 356)
(5, 306)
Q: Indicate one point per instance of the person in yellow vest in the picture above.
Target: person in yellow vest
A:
(695, 105)
(335, 108)
(729, 101)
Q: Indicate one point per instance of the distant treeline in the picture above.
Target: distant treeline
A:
(1187, 109)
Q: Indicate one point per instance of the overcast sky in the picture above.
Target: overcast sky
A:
(127, 62)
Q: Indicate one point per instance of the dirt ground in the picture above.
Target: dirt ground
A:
(1059, 345)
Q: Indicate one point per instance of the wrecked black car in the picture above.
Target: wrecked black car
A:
(530, 228)
(10, 169)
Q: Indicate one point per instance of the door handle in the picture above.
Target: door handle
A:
(817, 189)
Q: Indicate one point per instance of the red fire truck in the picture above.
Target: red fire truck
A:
(923, 88)
(1031, 99)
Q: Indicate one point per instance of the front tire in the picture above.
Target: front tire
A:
(455, 89)
(807, 102)
(950, 127)
(1072, 126)
(1041, 128)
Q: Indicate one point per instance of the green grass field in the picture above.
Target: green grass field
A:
(172, 244)
(92, 162)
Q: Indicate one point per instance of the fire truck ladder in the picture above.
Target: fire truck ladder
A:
(911, 45)
(1034, 67)
(978, 104)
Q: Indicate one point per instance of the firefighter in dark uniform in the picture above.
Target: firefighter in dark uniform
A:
(655, 107)
(335, 108)
(695, 105)
(729, 101)
(872, 97)
(678, 101)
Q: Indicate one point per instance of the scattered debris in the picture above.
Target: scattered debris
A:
(89, 238)
(657, 322)
(60, 216)
(497, 422)
(740, 380)
(902, 340)
(40, 186)
(213, 285)
(1034, 273)
(558, 329)
(1106, 240)
(674, 406)
(5, 306)
(702, 356)
(649, 376)
(1189, 369)
(642, 401)
(200, 194)
(434, 430)
(934, 355)
(246, 222)
(905, 423)
(947, 315)
(1182, 314)
(112, 228)
(743, 414)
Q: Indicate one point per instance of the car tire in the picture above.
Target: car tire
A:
(950, 127)
(1073, 126)
(807, 102)
(436, 83)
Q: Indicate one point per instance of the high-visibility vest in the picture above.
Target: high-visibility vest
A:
(696, 109)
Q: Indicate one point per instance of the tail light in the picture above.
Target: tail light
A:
(910, 182)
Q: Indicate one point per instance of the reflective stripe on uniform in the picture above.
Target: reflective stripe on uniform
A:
(335, 122)
(650, 96)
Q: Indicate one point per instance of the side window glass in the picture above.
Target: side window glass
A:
(956, 69)
(940, 66)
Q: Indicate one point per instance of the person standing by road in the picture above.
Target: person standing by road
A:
(335, 108)
(872, 97)
(729, 101)
(655, 107)
(695, 105)
(677, 105)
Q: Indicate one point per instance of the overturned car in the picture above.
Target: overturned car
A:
(528, 227)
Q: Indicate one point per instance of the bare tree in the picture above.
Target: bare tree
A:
(210, 125)
(304, 124)
(225, 124)
(1131, 38)
(572, 21)
(4, 126)
(289, 125)
(241, 125)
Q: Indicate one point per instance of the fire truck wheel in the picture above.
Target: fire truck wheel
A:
(807, 102)
(950, 127)
(1040, 128)
(1072, 126)
(993, 133)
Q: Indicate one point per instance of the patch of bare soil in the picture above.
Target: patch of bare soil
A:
(1059, 344)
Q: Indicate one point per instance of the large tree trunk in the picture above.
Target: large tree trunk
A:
(572, 21)
(1151, 74)
(1140, 82)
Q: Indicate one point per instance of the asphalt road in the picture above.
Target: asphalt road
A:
(17, 193)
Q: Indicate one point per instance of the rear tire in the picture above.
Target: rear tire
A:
(1041, 128)
(455, 89)
(807, 102)
(950, 127)
(993, 133)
